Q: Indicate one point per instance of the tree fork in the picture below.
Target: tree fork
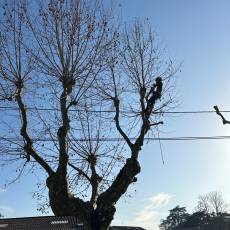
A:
(64, 204)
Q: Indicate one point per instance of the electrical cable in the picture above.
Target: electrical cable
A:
(112, 111)
(185, 138)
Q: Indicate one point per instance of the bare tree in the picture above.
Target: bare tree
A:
(78, 82)
(212, 202)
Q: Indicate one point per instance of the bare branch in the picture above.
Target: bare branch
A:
(81, 172)
(29, 144)
(116, 118)
(220, 114)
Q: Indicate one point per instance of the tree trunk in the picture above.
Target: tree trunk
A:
(100, 217)
(64, 204)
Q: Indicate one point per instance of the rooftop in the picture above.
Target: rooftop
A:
(49, 223)
(40, 223)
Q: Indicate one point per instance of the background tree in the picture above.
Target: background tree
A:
(209, 221)
(177, 216)
(211, 213)
(197, 219)
(212, 202)
(77, 82)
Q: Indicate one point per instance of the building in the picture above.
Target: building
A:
(49, 223)
(125, 228)
(41, 223)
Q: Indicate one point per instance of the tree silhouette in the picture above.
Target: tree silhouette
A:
(212, 202)
(77, 81)
(197, 219)
(177, 216)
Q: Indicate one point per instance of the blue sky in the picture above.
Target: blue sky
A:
(196, 33)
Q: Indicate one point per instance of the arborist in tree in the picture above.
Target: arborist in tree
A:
(154, 94)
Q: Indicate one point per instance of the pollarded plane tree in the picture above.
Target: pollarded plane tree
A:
(77, 82)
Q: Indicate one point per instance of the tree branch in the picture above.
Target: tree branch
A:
(119, 186)
(220, 114)
(29, 144)
(80, 171)
(157, 123)
(62, 133)
(116, 118)
(94, 180)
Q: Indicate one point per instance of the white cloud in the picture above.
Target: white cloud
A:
(161, 199)
(148, 219)
(150, 215)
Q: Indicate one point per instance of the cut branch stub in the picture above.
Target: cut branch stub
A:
(221, 115)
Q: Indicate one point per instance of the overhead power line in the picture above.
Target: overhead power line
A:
(185, 138)
(112, 111)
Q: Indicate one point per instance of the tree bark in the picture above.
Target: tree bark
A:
(63, 203)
